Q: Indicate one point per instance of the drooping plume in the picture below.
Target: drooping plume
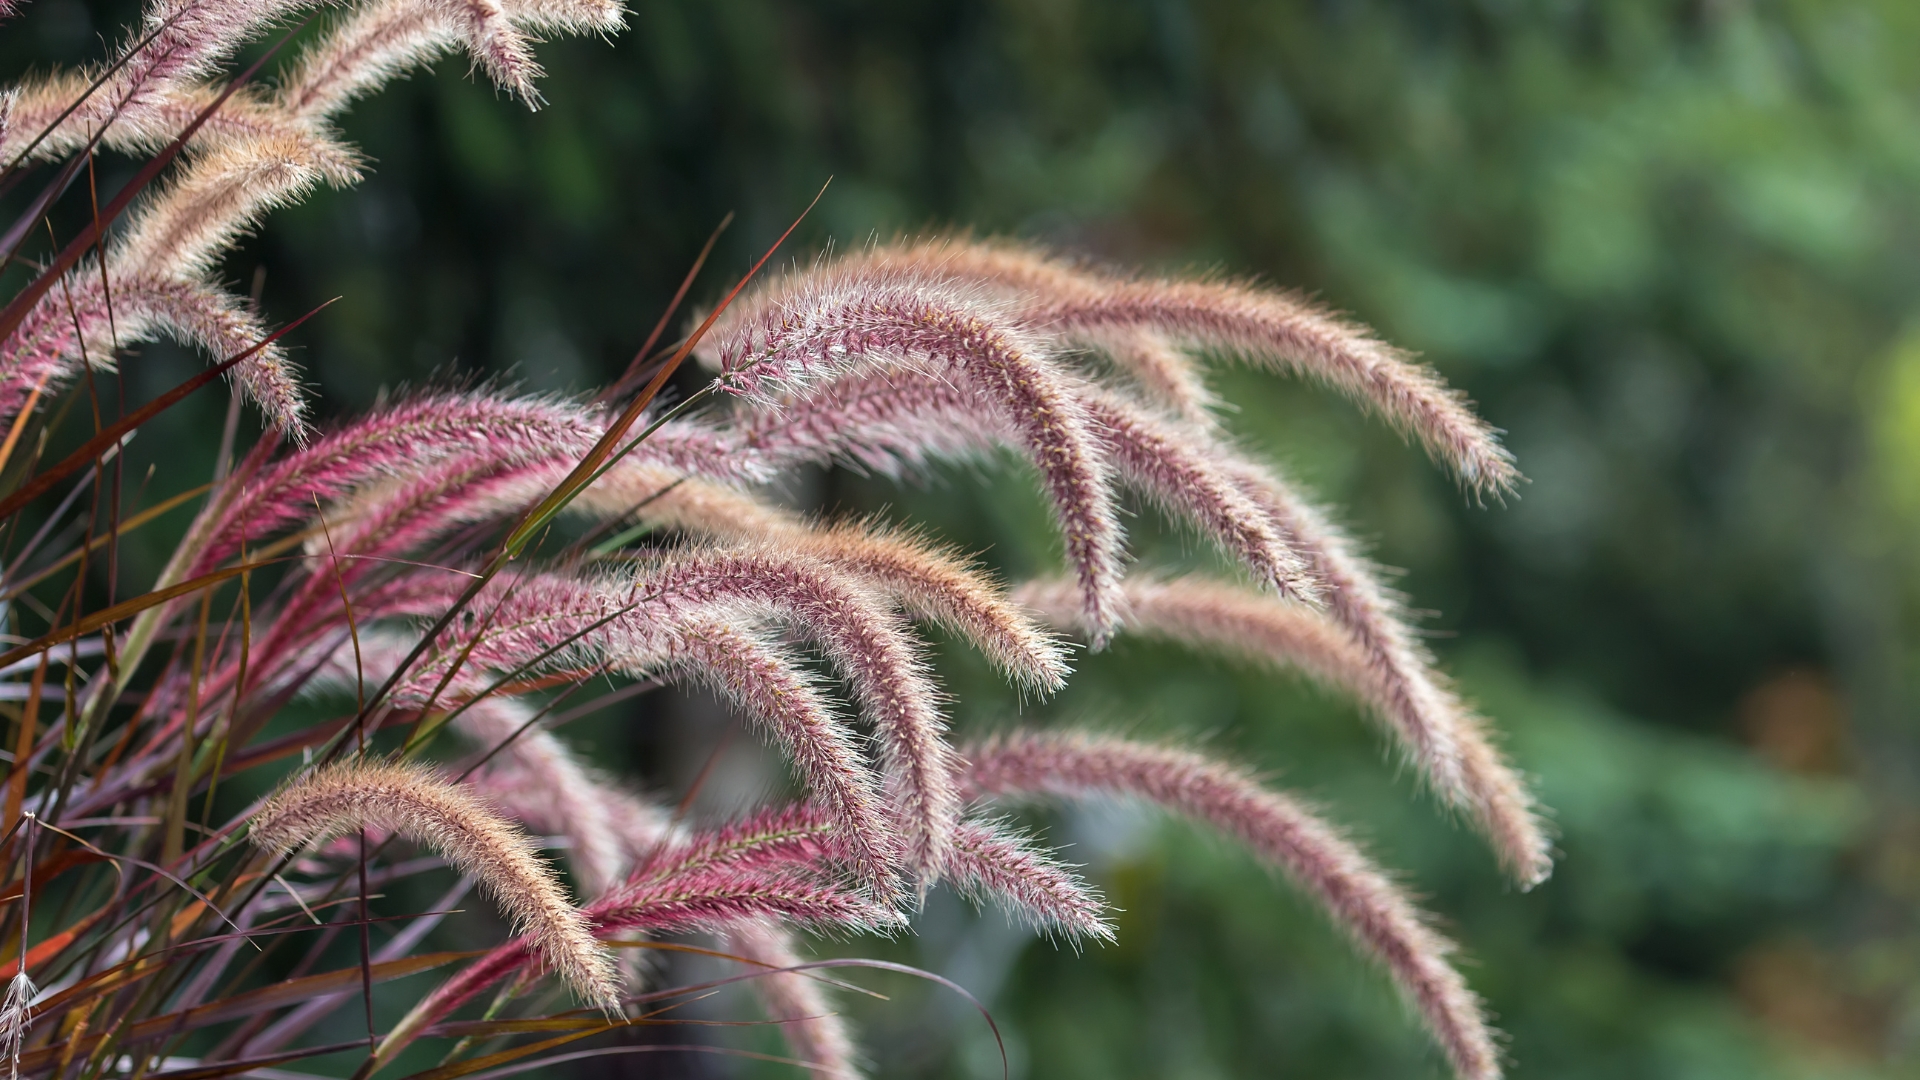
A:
(990, 861)
(1263, 326)
(1448, 739)
(826, 326)
(1355, 893)
(406, 799)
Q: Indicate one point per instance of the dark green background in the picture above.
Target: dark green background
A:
(1670, 247)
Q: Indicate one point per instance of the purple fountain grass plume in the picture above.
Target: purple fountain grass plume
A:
(1176, 470)
(247, 114)
(1277, 329)
(376, 43)
(79, 321)
(933, 582)
(711, 643)
(1472, 773)
(1221, 617)
(801, 836)
(545, 787)
(1261, 325)
(765, 681)
(463, 435)
(795, 1000)
(398, 440)
(385, 39)
(179, 43)
(940, 585)
(1356, 894)
(1166, 373)
(827, 325)
(889, 421)
(1027, 275)
(875, 652)
(182, 230)
(1218, 616)
(191, 37)
(350, 795)
(254, 154)
(767, 867)
(694, 592)
(535, 778)
(497, 45)
(992, 861)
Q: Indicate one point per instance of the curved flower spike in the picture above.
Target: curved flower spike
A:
(991, 861)
(830, 325)
(1358, 897)
(1447, 739)
(766, 866)
(481, 485)
(893, 421)
(932, 582)
(620, 625)
(870, 646)
(1219, 616)
(351, 795)
(1176, 470)
(46, 351)
(534, 777)
(1269, 328)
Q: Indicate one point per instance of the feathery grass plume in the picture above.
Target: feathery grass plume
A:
(875, 652)
(891, 422)
(1028, 275)
(990, 861)
(773, 864)
(351, 795)
(140, 130)
(45, 351)
(1260, 325)
(1472, 773)
(1218, 616)
(382, 40)
(534, 777)
(632, 627)
(1175, 470)
(795, 1000)
(1356, 894)
(1281, 330)
(182, 230)
(255, 151)
(829, 324)
(1166, 373)
(399, 440)
(931, 581)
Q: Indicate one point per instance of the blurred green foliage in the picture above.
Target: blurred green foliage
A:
(1670, 245)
